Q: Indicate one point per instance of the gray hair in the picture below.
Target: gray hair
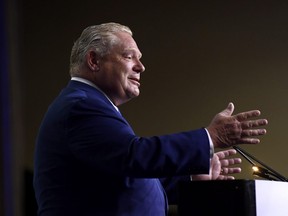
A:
(98, 38)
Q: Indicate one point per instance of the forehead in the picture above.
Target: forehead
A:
(126, 43)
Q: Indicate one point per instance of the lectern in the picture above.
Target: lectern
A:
(233, 198)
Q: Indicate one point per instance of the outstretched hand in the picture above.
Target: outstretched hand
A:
(219, 166)
(227, 130)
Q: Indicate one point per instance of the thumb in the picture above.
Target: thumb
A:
(229, 110)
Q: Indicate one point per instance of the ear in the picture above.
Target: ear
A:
(92, 61)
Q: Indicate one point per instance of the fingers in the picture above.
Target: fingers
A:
(248, 140)
(247, 136)
(230, 161)
(226, 153)
(253, 123)
(220, 165)
(248, 126)
(227, 171)
(253, 132)
(222, 155)
(222, 177)
(246, 115)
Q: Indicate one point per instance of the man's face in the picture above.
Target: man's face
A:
(120, 70)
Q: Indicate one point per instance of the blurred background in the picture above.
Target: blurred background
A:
(199, 56)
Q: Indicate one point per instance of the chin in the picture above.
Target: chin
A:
(134, 94)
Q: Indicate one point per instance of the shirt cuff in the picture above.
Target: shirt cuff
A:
(211, 144)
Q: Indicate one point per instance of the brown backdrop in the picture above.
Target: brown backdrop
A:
(198, 56)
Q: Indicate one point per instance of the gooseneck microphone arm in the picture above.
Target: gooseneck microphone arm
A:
(264, 171)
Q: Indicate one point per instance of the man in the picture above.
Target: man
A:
(88, 161)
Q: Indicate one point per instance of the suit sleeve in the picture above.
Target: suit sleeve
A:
(105, 141)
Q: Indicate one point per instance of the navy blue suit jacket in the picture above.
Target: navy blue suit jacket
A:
(88, 160)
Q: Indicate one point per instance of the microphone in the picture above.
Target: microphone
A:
(262, 171)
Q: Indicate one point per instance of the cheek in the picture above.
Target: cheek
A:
(123, 79)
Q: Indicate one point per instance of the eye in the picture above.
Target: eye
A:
(128, 56)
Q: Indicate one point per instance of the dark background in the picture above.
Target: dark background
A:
(199, 55)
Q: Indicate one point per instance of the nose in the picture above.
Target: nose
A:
(139, 67)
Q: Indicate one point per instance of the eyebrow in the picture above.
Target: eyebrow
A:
(135, 51)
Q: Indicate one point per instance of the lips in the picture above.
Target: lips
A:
(135, 80)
